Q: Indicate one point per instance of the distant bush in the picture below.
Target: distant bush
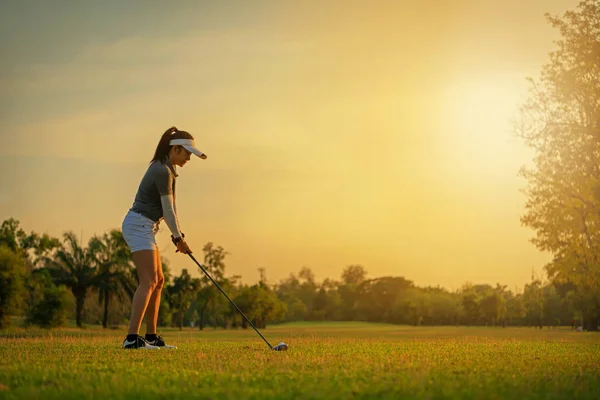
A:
(12, 272)
(49, 305)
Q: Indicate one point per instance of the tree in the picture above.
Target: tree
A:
(515, 309)
(74, 266)
(260, 304)
(321, 305)
(12, 274)
(561, 123)
(489, 304)
(444, 307)
(470, 303)
(209, 300)
(20, 253)
(9, 234)
(31, 247)
(288, 290)
(307, 289)
(533, 298)
(552, 306)
(493, 305)
(352, 277)
(113, 259)
(297, 310)
(49, 305)
(327, 303)
(181, 294)
(378, 297)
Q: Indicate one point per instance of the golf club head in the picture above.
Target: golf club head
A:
(281, 347)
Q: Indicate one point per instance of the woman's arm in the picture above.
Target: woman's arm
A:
(170, 215)
(164, 185)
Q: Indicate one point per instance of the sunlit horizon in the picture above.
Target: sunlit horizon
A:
(370, 134)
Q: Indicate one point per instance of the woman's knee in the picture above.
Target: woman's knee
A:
(155, 283)
(148, 285)
(145, 262)
(160, 281)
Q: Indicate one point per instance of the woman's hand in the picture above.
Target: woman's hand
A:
(183, 247)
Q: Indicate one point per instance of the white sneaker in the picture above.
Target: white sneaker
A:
(159, 342)
(139, 343)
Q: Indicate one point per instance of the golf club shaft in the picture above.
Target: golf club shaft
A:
(231, 301)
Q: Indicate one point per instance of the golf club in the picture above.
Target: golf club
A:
(280, 347)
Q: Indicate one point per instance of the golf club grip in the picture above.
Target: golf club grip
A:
(231, 301)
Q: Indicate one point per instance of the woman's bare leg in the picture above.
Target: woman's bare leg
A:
(145, 264)
(154, 302)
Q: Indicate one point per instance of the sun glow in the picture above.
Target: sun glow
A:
(476, 117)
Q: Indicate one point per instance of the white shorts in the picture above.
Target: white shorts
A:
(139, 232)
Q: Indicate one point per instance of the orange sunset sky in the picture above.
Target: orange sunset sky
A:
(376, 133)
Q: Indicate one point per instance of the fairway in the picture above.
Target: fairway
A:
(325, 361)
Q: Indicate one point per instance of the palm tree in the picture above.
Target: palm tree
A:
(74, 266)
(115, 278)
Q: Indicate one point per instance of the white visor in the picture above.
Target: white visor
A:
(187, 144)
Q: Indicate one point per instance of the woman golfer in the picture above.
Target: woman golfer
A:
(155, 201)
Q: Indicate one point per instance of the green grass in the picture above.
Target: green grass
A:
(325, 361)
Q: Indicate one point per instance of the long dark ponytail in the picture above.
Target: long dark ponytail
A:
(163, 148)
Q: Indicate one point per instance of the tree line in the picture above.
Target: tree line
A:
(48, 281)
